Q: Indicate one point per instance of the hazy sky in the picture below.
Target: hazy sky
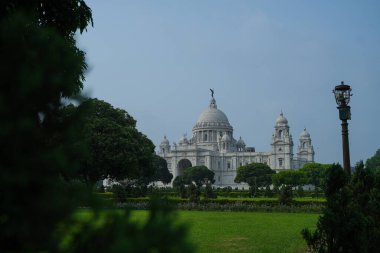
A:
(158, 59)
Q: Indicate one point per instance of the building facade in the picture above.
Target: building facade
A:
(214, 146)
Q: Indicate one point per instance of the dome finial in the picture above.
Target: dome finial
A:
(212, 93)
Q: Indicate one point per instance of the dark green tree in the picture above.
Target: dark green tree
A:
(179, 185)
(286, 195)
(198, 174)
(208, 192)
(39, 66)
(255, 175)
(290, 178)
(66, 17)
(315, 174)
(161, 171)
(194, 193)
(116, 148)
(351, 220)
(374, 162)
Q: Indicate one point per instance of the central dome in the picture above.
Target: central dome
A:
(212, 117)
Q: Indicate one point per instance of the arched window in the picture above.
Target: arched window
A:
(205, 137)
(304, 144)
(280, 134)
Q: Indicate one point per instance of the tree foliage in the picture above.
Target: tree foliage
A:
(65, 16)
(161, 171)
(116, 148)
(198, 174)
(39, 66)
(374, 162)
(255, 174)
(351, 220)
(290, 178)
(315, 174)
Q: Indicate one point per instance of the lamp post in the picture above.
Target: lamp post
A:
(342, 95)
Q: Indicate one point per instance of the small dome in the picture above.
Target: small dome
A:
(281, 120)
(240, 142)
(305, 134)
(183, 140)
(226, 137)
(165, 141)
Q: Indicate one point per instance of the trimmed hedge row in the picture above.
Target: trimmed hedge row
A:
(144, 205)
(226, 201)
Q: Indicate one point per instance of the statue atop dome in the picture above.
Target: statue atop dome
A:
(212, 93)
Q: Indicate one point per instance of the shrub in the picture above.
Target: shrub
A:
(194, 193)
(268, 192)
(286, 195)
(209, 193)
(351, 219)
(300, 192)
(119, 193)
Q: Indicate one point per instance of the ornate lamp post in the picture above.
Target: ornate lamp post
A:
(342, 94)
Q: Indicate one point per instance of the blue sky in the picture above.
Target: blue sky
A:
(158, 59)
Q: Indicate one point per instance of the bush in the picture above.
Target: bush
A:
(286, 195)
(268, 192)
(119, 193)
(209, 193)
(194, 193)
(300, 192)
(351, 219)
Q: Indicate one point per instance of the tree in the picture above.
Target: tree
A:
(315, 174)
(65, 17)
(198, 174)
(374, 162)
(255, 174)
(39, 66)
(161, 171)
(350, 221)
(290, 178)
(209, 193)
(116, 148)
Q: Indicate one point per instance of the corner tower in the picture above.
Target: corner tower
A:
(305, 149)
(282, 145)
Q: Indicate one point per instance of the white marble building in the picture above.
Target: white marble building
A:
(214, 146)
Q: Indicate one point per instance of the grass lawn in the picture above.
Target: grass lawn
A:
(244, 231)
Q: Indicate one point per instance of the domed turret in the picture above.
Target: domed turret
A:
(183, 140)
(165, 141)
(164, 146)
(305, 134)
(305, 148)
(240, 144)
(281, 120)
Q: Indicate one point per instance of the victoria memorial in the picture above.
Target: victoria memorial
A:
(213, 145)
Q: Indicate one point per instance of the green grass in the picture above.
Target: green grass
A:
(244, 231)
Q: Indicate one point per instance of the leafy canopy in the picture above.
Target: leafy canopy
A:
(351, 221)
(116, 148)
(290, 178)
(255, 174)
(161, 171)
(200, 175)
(38, 67)
(374, 162)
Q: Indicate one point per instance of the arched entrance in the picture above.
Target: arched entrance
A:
(182, 165)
